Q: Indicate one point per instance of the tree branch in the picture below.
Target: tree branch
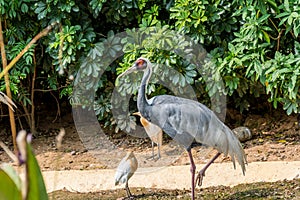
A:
(34, 40)
(7, 85)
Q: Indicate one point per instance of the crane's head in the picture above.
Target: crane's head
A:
(139, 65)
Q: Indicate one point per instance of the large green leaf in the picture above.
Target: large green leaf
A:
(8, 188)
(36, 189)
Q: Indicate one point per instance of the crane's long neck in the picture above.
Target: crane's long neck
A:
(142, 101)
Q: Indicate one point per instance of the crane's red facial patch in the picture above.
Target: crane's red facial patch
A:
(141, 64)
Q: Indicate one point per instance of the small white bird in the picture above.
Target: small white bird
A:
(154, 132)
(125, 170)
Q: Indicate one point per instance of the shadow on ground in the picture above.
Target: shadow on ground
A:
(287, 189)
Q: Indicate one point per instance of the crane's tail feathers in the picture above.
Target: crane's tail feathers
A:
(226, 142)
(235, 150)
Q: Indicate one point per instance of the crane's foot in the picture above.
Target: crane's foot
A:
(201, 173)
(200, 177)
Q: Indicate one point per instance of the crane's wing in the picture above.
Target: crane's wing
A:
(183, 122)
(224, 140)
(187, 121)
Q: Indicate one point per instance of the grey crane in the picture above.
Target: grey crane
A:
(188, 122)
(125, 170)
(154, 133)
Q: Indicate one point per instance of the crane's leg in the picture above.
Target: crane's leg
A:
(201, 173)
(192, 169)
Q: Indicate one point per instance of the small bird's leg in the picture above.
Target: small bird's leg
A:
(201, 173)
(127, 190)
(192, 169)
(152, 149)
(151, 157)
(158, 151)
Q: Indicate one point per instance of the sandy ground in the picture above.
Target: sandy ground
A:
(273, 154)
(173, 177)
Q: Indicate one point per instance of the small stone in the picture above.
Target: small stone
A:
(242, 133)
(73, 153)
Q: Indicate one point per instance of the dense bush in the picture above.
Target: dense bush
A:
(253, 44)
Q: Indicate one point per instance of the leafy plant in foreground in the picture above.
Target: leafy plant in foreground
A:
(11, 185)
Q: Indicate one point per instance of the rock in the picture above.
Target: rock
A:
(243, 133)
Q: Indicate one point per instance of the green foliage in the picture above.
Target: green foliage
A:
(206, 21)
(253, 46)
(17, 36)
(8, 187)
(11, 186)
(37, 189)
(253, 54)
(58, 52)
(245, 40)
(290, 16)
(282, 82)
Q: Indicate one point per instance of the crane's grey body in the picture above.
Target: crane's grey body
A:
(187, 122)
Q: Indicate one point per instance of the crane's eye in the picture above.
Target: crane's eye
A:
(141, 64)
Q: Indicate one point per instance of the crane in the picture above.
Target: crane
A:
(125, 170)
(188, 122)
(154, 133)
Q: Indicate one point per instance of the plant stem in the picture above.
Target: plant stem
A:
(7, 85)
(32, 126)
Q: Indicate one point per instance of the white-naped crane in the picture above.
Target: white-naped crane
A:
(154, 133)
(125, 170)
(188, 122)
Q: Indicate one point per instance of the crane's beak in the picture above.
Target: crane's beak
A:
(128, 71)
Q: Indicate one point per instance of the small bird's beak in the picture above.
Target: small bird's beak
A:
(137, 113)
(128, 71)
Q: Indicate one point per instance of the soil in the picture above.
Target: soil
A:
(277, 190)
(275, 138)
